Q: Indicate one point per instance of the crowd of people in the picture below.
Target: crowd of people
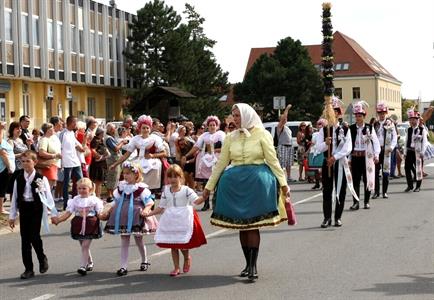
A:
(139, 162)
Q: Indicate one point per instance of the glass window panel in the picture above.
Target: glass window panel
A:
(37, 57)
(59, 36)
(50, 36)
(74, 63)
(110, 47)
(93, 66)
(100, 45)
(80, 17)
(110, 24)
(72, 38)
(10, 53)
(8, 25)
(72, 14)
(26, 56)
(92, 43)
(82, 69)
(49, 9)
(8, 3)
(81, 40)
(60, 61)
(36, 7)
(24, 6)
(101, 67)
(35, 31)
(50, 59)
(92, 20)
(59, 10)
(25, 28)
(99, 22)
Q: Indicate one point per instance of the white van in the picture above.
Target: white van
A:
(293, 126)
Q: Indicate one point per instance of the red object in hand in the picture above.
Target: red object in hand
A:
(292, 219)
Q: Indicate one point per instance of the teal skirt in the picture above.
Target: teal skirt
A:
(247, 198)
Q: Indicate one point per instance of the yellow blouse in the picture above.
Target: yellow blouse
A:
(254, 150)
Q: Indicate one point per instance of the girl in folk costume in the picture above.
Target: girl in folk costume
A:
(180, 227)
(85, 226)
(388, 138)
(132, 200)
(364, 155)
(414, 150)
(209, 144)
(151, 151)
(336, 174)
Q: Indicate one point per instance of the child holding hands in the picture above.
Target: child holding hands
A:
(85, 226)
(133, 200)
(179, 227)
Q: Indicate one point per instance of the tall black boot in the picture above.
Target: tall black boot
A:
(385, 185)
(253, 257)
(245, 272)
(206, 205)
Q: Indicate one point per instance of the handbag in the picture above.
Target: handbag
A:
(290, 212)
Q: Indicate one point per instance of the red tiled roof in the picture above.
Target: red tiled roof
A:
(346, 50)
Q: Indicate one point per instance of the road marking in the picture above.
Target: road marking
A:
(218, 232)
(307, 199)
(44, 297)
(430, 165)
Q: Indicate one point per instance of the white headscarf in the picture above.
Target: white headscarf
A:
(249, 118)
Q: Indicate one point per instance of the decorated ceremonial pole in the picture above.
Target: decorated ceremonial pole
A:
(327, 72)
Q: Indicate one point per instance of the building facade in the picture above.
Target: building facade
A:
(62, 57)
(358, 76)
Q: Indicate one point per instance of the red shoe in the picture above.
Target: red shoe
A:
(186, 267)
(174, 273)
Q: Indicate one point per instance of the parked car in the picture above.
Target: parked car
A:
(293, 126)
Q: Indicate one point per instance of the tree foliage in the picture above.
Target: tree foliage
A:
(165, 51)
(287, 72)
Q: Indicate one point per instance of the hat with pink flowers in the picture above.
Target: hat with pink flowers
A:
(382, 107)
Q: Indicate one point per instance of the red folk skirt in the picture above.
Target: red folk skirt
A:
(197, 239)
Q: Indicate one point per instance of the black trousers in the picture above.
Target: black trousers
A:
(358, 170)
(410, 169)
(30, 227)
(327, 183)
(385, 176)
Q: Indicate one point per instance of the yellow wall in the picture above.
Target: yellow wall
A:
(37, 92)
(390, 93)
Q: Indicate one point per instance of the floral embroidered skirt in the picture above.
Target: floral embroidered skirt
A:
(248, 198)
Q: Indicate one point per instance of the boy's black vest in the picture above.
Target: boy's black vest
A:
(353, 129)
(410, 135)
(338, 140)
(21, 184)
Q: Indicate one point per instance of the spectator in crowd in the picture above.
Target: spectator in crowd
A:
(128, 122)
(58, 126)
(98, 167)
(114, 147)
(283, 137)
(231, 127)
(7, 164)
(49, 149)
(84, 139)
(183, 146)
(25, 136)
(15, 131)
(70, 160)
(301, 151)
(36, 135)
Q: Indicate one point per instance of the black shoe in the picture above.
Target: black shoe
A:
(205, 206)
(338, 223)
(89, 267)
(245, 271)
(385, 196)
(316, 186)
(109, 200)
(367, 206)
(394, 177)
(27, 275)
(122, 272)
(144, 266)
(326, 223)
(408, 189)
(82, 271)
(376, 195)
(43, 266)
(355, 206)
(416, 190)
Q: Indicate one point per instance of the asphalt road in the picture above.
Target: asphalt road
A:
(385, 252)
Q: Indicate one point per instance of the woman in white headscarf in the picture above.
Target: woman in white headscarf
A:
(249, 189)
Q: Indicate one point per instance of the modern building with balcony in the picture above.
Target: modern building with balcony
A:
(62, 57)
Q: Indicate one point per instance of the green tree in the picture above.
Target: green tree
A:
(406, 104)
(287, 72)
(166, 51)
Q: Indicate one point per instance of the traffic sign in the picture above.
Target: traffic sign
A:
(279, 102)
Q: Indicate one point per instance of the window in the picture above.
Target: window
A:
(91, 107)
(8, 25)
(356, 93)
(25, 28)
(50, 34)
(73, 42)
(338, 93)
(35, 29)
(59, 36)
(26, 104)
(110, 47)
(92, 43)
(81, 40)
(345, 66)
(100, 45)
(338, 67)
